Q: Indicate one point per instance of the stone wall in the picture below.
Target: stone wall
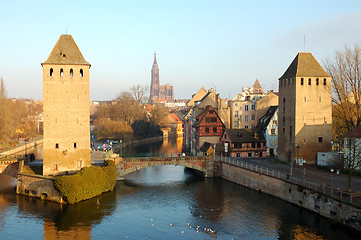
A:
(38, 186)
(298, 195)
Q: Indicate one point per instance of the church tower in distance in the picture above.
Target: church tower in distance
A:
(154, 87)
(66, 109)
(305, 110)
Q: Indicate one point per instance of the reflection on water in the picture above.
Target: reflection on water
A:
(167, 147)
(166, 202)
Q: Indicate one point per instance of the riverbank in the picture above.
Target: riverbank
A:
(271, 184)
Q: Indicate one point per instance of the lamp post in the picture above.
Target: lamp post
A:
(25, 149)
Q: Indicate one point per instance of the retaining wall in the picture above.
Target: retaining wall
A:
(316, 202)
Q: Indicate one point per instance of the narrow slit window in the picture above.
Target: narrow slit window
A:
(74, 145)
(301, 81)
(81, 73)
(324, 81)
(56, 145)
(61, 72)
(71, 72)
(309, 81)
(317, 81)
(51, 72)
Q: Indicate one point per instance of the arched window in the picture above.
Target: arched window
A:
(71, 72)
(61, 72)
(51, 72)
(81, 72)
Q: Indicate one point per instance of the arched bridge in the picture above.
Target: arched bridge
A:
(204, 165)
(9, 167)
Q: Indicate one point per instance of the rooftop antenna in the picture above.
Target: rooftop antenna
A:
(304, 42)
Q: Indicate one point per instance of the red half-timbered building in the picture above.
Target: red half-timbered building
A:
(209, 127)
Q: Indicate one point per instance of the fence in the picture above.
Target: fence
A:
(289, 174)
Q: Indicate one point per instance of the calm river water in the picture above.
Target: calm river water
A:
(166, 202)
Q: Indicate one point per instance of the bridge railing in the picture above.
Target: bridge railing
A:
(330, 191)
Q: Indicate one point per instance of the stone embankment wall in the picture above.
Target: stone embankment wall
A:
(38, 186)
(316, 202)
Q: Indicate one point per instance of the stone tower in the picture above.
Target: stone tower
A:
(154, 87)
(66, 109)
(305, 110)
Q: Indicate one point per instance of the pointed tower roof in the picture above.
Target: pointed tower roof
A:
(66, 52)
(155, 59)
(257, 84)
(304, 65)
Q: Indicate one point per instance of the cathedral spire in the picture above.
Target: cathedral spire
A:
(155, 59)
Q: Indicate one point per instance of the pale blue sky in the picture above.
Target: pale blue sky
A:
(221, 44)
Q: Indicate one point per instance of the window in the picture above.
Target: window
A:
(236, 104)
(74, 145)
(253, 117)
(301, 81)
(56, 145)
(249, 154)
(207, 129)
(236, 113)
(290, 134)
(253, 145)
(289, 82)
(317, 81)
(320, 139)
(324, 81)
(274, 122)
(246, 108)
(273, 131)
(284, 100)
(238, 155)
(246, 127)
(253, 107)
(305, 99)
(51, 72)
(246, 118)
(283, 130)
(236, 124)
(273, 142)
(284, 120)
(61, 72)
(309, 81)
(293, 81)
(214, 129)
(79, 164)
(71, 72)
(81, 73)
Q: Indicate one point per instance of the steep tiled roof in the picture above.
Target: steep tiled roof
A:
(304, 65)
(243, 136)
(257, 84)
(66, 51)
(264, 121)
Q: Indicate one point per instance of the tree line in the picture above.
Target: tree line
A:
(17, 118)
(128, 116)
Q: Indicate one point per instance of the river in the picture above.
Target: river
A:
(166, 202)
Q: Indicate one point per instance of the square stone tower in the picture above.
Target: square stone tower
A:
(66, 109)
(305, 110)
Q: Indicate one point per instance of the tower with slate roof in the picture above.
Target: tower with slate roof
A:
(305, 110)
(66, 146)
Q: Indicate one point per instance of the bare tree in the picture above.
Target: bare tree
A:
(345, 70)
(352, 149)
(139, 92)
(7, 124)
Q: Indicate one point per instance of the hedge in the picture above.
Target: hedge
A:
(89, 182)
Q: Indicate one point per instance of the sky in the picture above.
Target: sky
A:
(224, 45)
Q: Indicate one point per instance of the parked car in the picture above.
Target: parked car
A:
(103, 147)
